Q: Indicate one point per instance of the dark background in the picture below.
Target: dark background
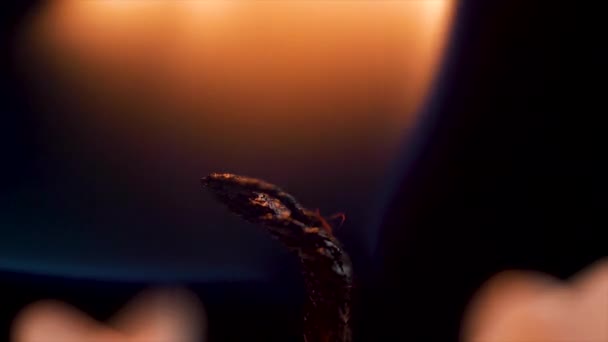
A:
(507, 174)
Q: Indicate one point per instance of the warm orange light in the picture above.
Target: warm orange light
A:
(243, 51)
(226, 77)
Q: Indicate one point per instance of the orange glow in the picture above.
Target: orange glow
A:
(328, 75)
(523, 306)
(155, 315)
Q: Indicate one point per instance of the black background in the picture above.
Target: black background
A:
(511, 178)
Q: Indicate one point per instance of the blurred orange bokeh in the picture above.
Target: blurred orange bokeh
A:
(155, 315)
(343, 72)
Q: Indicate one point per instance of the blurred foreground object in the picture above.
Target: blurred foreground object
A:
(518, 306)
(166, 315)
